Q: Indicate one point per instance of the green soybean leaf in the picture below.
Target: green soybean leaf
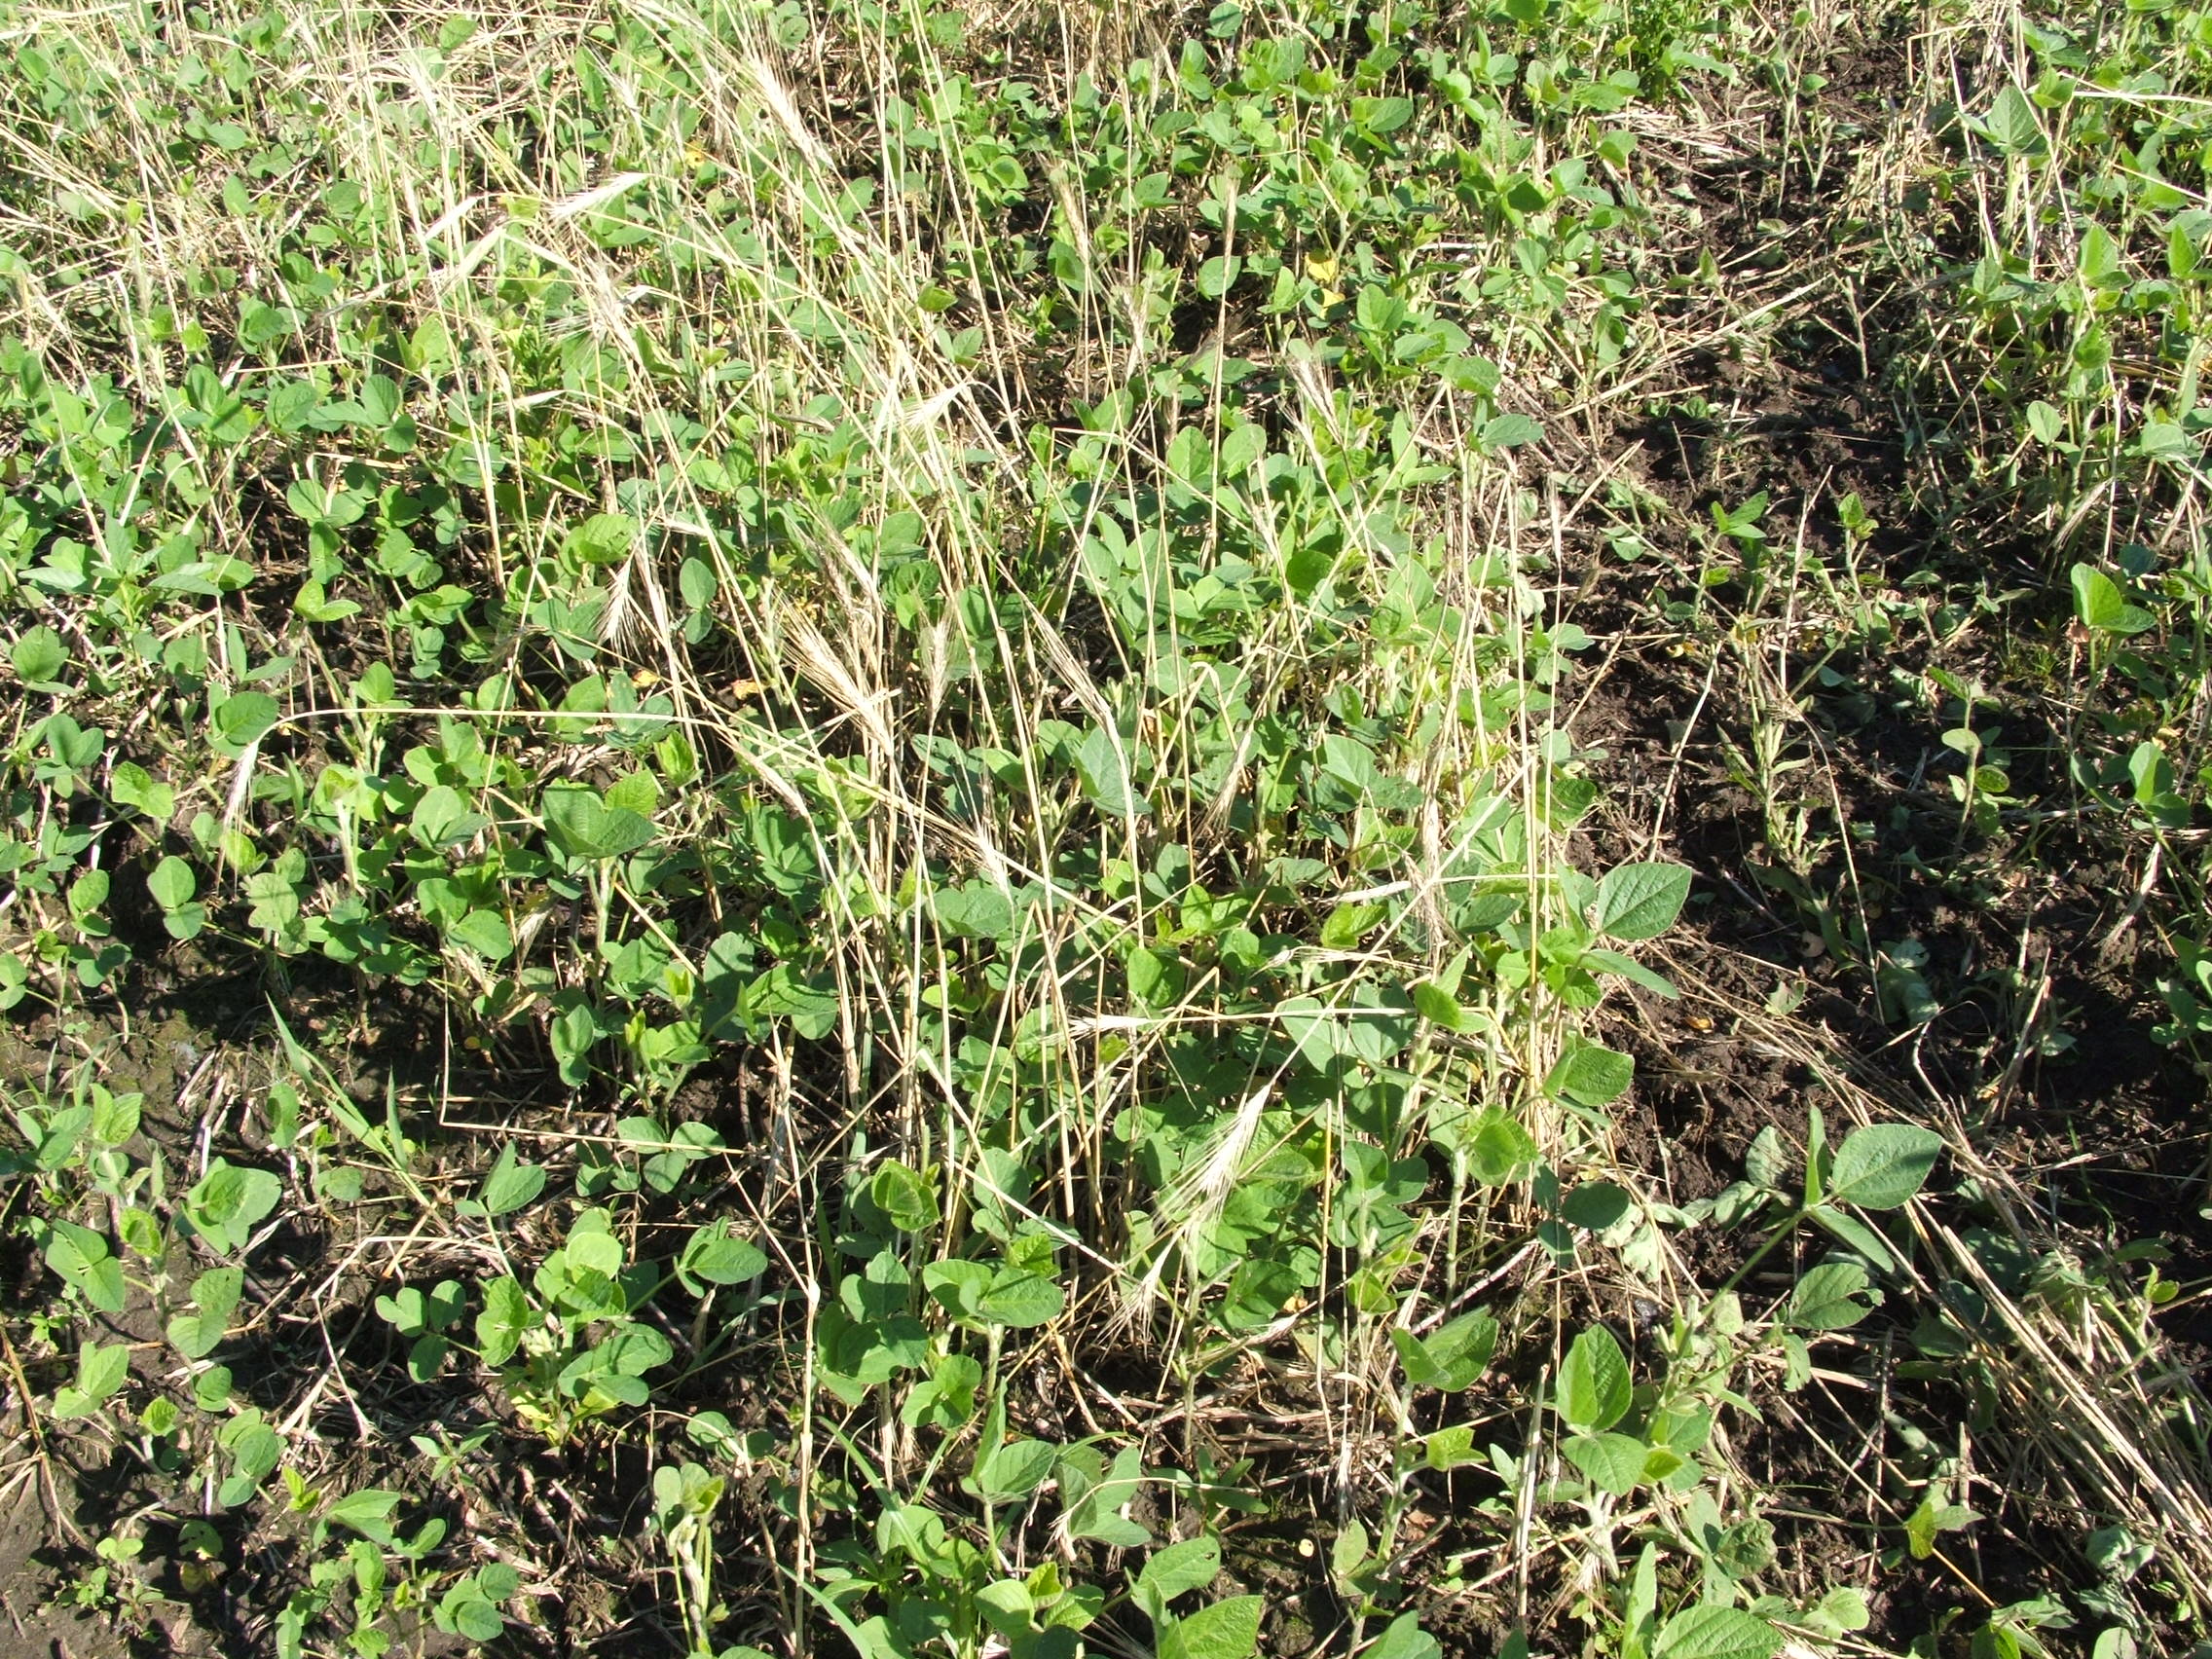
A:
(1825, 1298)
(511, 1184)
(634, 791)
(1240, 449)
(1450, 1448)
(594, 1249)
(84, 1260)
(2012, 123)
(442, 817)
(1382, 115)
(1014, 1470)
(1103, 768)
(172, 883)
(1096, 1512)
(604, 539)
(101, 1368)
(1599, 960)
(255, 1451)
(2101, 605)
(975, 909)
(1882, 1165)
(1594, 1387)
(245, 716)
(1510, 431)
(959, 1287)
(474, 1617)
(1500, 1150)
(1319, 1033)
(1021, 1300)
(1226, 1630)
(1610, 1463)
(486, 932)
(1590, 1074)
(586, 828)
(1404, 1639)
(904, 1197)
(1854, 1234)
(229, 1201)
(1713, 1632)
(39, 657)
(261, 323)
(1438, 1006)
(716, 1254)
(1641, 901)
(1451, 1357)
(505, 1316)
(133, 786)
(367, 1512)
(214, 408)
(1596, 1205)
(1191, 1564)
(214, 1295)
(1843, 1608)
(2163, 440)
(292, 404)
